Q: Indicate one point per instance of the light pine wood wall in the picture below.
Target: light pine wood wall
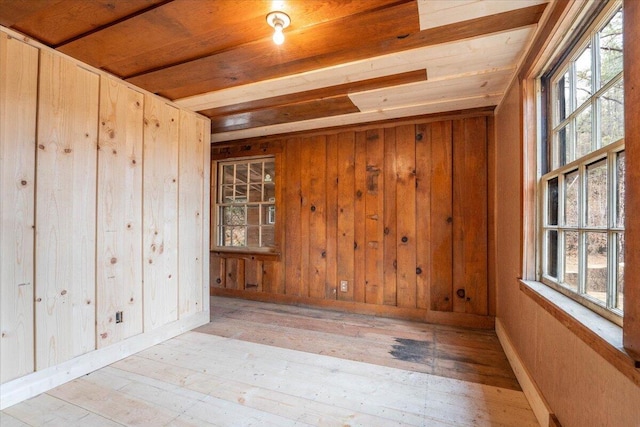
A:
(18, 95)
(102, 212)
(399, 212)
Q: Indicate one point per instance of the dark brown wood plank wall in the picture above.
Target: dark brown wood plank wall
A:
(400, 213)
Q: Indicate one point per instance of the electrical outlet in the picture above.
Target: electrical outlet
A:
(344, 286)
(119, 316)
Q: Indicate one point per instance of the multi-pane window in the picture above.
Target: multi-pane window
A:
(582, 221)
(246, 203)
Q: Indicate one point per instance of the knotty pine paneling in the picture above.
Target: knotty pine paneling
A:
(190, 213)
(119, 228)
(65, 244)
(160, 207)
(400, 213)
(18, 105)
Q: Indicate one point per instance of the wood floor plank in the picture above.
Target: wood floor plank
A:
(471, 355)
(261, 364)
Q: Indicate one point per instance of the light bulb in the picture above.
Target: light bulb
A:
(278, 35)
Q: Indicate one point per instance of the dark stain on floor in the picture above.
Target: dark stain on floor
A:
(411, 350)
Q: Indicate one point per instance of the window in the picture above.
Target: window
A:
(246, 203)
(582, 187)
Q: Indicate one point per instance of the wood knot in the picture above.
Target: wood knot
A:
(418, 270)
(104, 335)
(419, 137)
(323, 254)
(169, 277)
(150, 261)
(218, 280)
(114, 152)
(113, 260)
(359, 193)
(133, 162)
(67, 150)
(41, 146)
(38, 299)
(449, 220)
(130, 299)
(64, 292)
(387, 231)
(313, 208)
(112, 134)
(23, 182)
(404, 239)
(88, 302)
(460, 293)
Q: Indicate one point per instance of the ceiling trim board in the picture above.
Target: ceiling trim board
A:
(318, 94)
(363, 117)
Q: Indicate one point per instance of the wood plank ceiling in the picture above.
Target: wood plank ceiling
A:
(343, 61)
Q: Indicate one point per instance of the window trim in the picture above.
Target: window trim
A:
(552, 71)
(215, 212)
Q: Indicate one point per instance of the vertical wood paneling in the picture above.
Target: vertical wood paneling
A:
(406, 215)
(119, 216)
(470, 214)
(359, 213)
(317, 218)
(206, 210)
(423, 210)
(332, 217)
(376, 208)
(292, 196)
(235, 273)
(160, 206)
(18, 105)
(306, 158)
(190, 218)
(374, 217)
(65, 249)
(346, 207)
(217, 271)
(253, 275)
(390, 216)
(441, 280)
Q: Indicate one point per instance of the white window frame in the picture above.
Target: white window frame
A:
(609, 152)
(266, 205)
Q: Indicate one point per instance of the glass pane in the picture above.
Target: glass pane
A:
(611, 49)
(234, 236)
(571, 259)
(564, 149)
(232, 215)
(571, 187)
(253, 237)
(552, 253)
(269, 171)
(583, 76)
(255, 193)
(227, 174)
(253, 215)
(241, 173)
(269, 192)
(597, 194)
(563, 93)
(240, 194)
(268, 236)
(620, 271)
(620, 189)
(583, 134)
(612, 114)
(552, 201)
(597, 266)
(268, 214)
(256, 172)
(227, 194)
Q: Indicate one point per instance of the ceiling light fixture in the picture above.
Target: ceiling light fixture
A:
(279, 21)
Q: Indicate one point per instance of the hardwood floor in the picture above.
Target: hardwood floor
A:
(246, 368)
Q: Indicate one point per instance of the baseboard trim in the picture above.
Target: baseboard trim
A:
(30, 385)
(538, 404)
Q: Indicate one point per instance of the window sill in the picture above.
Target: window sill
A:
(603, 336)
(268, 254)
